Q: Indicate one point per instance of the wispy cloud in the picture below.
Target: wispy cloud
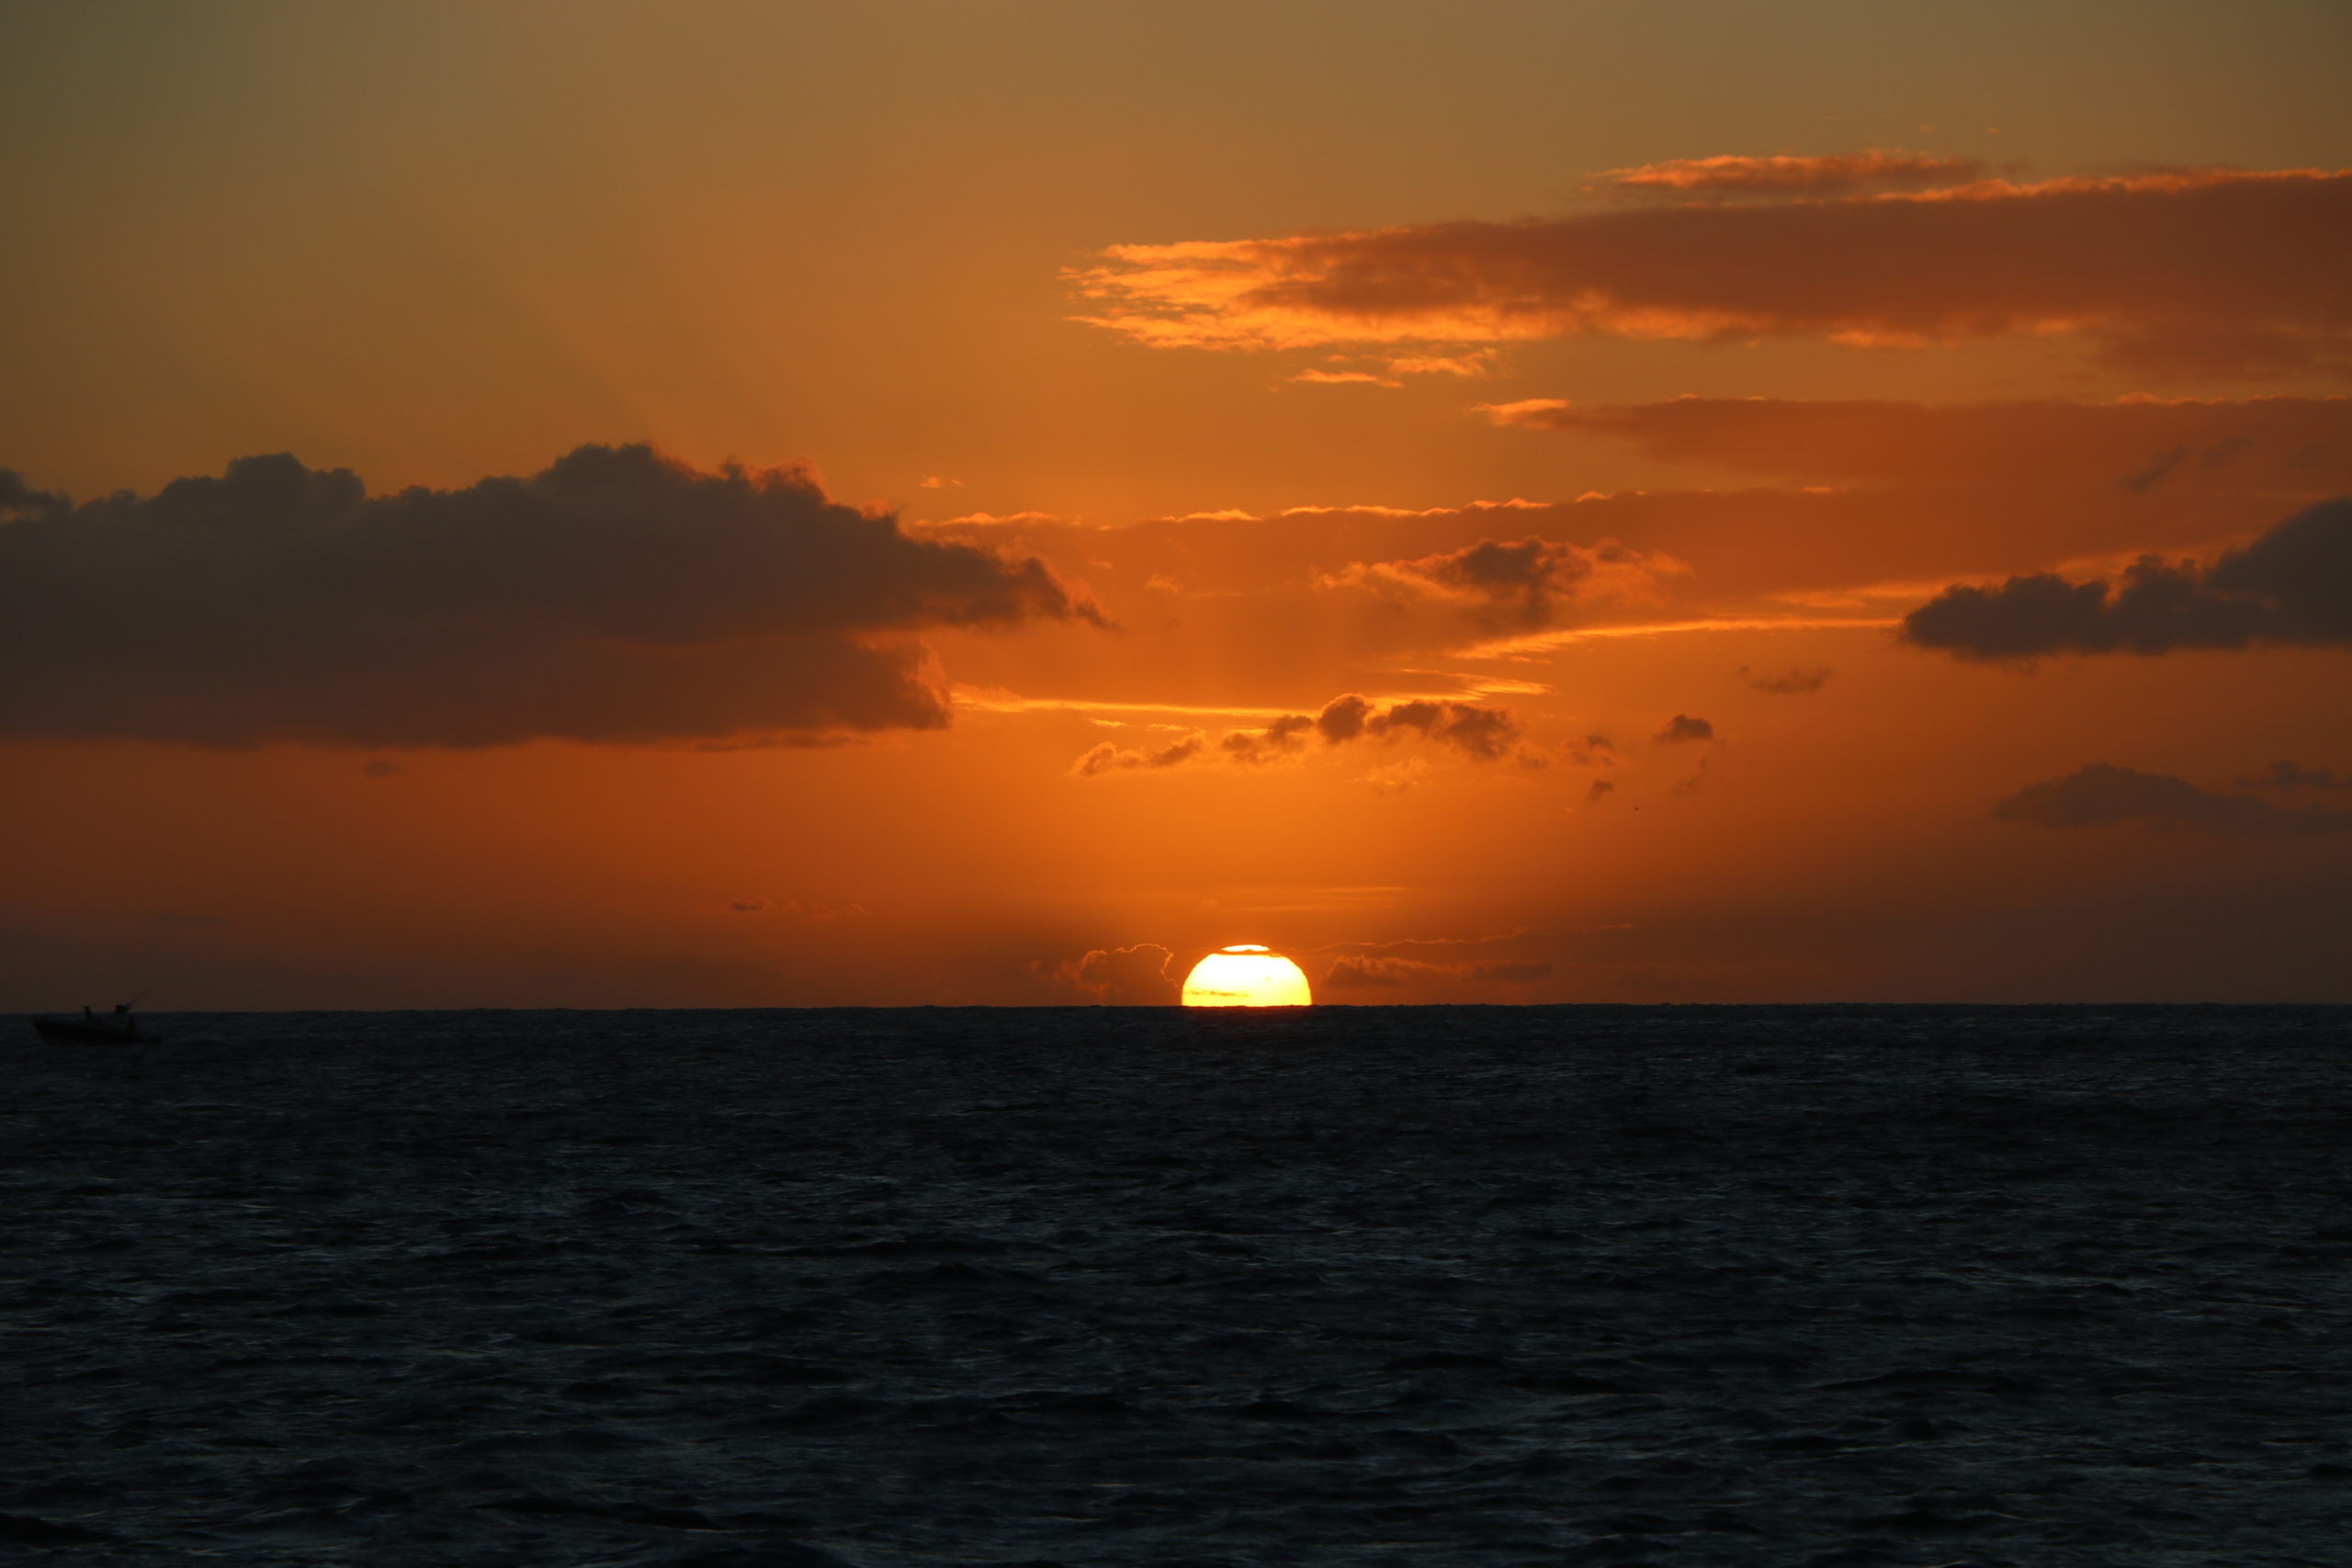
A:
(1521, 583)
(2209, 270)
(1537, 643)
(1782, 173)
(2275, 444)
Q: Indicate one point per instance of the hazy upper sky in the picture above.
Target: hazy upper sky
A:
(880, 503)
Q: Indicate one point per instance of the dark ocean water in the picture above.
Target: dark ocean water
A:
(1750, 1286)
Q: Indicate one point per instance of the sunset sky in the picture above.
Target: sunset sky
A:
(737, 505)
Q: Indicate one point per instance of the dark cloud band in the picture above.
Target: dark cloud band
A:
(618, 596)
(2102, 794)
(2293, 585)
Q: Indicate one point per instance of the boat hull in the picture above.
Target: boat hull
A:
(73, 1032)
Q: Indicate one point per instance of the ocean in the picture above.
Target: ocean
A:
(1681, 1285)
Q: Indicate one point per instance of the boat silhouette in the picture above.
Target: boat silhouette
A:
(117, 1028)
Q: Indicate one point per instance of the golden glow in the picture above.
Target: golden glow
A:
(1245, 976)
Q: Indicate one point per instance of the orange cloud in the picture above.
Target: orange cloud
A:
(2210, 270)
(1345, 379)
(1843, 174)
(2294, 445)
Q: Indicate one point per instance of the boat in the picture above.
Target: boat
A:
(117, 1028)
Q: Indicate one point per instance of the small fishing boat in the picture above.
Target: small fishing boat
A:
(117, 1028)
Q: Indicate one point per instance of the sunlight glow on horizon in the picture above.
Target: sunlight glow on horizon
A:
(1247, 975)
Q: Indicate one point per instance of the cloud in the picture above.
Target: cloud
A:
(1395, 778)
(1589, 751)
(382, 767)
(1346, 378)
(1599, 791)
(749, 906)
(2293, 585)
(1486, 732)
(1473, 367)
(1108, 757)
(2100, 795)
(1370, 973)
(2209, 270)
(1682, 727)
(18, 498)
(1123, 976)
(1843, 174)
(2295, 445)
(1517, 583)
(1343, 719)
(1790, 683)
(2293, 775)
(1285, 737)
(619, 596)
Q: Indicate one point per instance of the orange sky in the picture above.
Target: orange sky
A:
(1504, 503)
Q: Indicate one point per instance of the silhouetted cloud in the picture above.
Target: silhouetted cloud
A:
(749, 906)
(2102, 794)
(1108, 757)
(1837, 173)
(2201, 270)
(1483, 731)
(2293, 585)
(1285, 737)
(1682, 727)
(19, 500)
(2139, 444)
(1353, 973)
(1599, 791)
(1790, 683)
(618, 596)
(1343, 719)
(1125, 977)
(2294, 775)
(1516, 583)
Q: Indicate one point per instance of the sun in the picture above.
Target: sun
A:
(1245, 976)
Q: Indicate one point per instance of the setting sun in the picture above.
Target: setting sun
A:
(1245, 976)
